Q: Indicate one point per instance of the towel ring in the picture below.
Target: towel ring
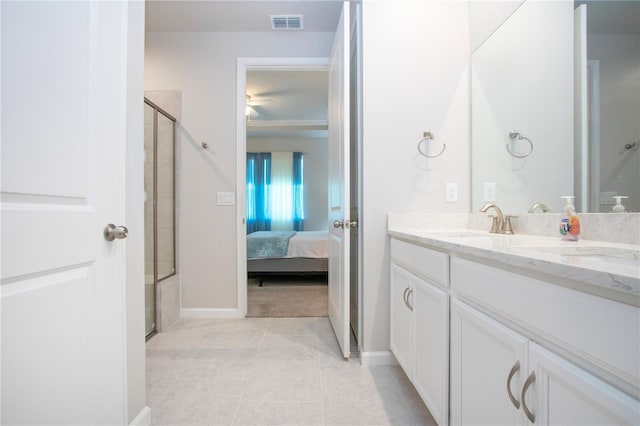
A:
(428, 136)
(516, 135)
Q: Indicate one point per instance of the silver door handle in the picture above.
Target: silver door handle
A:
(338, 224)
(111, 232)
(353, 224)
(530, 380)
(514, 370)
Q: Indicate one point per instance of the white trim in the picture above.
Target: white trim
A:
(243, 65)
(143, 418)
(209, 313)
(298, 124)
(378, 358)
(594, 133)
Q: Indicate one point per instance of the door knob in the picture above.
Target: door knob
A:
(353, 224)
(338, 224)
(111, 232)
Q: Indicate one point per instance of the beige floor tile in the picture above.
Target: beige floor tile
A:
(279, 413)
(270, 371)
(198, 402)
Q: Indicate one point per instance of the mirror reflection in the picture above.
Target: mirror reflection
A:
(535, 138)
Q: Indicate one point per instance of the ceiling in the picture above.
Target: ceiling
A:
(288, 95)
(238, 15)
(295, 96)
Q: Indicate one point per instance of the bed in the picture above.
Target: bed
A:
(276, 253)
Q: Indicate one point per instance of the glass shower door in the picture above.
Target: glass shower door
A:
(149, 221)
(159, 206)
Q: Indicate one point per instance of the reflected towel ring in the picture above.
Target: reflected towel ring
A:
(428, 136)
(516, 135)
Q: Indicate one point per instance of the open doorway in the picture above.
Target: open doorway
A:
(286, 192)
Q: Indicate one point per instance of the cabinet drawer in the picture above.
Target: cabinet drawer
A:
(430, 264)
(601, 331)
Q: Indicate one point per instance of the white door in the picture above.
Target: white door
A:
(401, 324)
(63, 157)
(339, 208)
(564, 394)
(431, 336)
(488, 363)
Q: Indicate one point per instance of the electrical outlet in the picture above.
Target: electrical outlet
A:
(606, 198)
(489, 191)
(226, 198)
(451, 192)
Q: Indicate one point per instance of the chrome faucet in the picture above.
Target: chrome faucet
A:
(497, 226)
(541, 206)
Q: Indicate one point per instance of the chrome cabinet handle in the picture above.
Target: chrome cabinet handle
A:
(338, 224)
(404, 297)
(530, 380)
(408, 296)
(111, 232)
(514, 370)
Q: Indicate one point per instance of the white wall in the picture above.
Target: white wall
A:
(415, 77)
(203, 67)
(316, 166)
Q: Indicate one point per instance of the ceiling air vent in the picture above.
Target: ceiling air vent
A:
(286, 22)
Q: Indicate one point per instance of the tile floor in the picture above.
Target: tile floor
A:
(270, 371)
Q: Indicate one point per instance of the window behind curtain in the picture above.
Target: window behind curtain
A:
(275, 191)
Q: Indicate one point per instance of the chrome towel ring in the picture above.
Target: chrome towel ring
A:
(513, 135)
(428, 136)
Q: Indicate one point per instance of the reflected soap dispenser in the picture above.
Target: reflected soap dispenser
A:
(618, 208)
(570, 222)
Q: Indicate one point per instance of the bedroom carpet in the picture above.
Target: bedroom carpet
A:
(287, 298)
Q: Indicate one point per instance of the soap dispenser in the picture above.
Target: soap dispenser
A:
(570, 222)
(618, 208)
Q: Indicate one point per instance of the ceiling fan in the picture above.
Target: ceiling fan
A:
(250, 110)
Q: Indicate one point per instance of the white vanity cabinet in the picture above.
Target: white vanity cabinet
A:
(488, 361)
(420, 322)
(502, 376)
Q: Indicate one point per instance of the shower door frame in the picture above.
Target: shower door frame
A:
(156, 281)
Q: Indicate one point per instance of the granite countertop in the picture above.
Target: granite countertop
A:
(608, 269)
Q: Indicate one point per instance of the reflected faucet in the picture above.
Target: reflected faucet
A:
(541, 206)
(497, 226)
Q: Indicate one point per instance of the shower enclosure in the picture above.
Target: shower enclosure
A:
(159, 206)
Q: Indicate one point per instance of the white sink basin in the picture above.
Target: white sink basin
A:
(461, 233)
(613, 255)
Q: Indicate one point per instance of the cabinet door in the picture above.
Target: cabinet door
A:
(565, 394)
(401, 337)
(431, 329)
(483, 353)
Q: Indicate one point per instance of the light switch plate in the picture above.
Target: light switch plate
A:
(489, 191)
(606, 198)
(451, 192)
(226, 198)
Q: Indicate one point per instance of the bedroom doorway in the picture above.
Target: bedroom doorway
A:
(286, 192)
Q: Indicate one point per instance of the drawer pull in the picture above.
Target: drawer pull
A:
(530, 380)
(514, 370)
(409, 304)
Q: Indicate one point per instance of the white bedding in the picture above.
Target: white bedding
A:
(309, 244)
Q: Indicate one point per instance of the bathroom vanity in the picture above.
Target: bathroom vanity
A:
(517, 329)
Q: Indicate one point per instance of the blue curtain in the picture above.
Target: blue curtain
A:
(258, 180)
(298, 192)
(259, 202)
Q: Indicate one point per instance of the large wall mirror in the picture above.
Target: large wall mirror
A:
(556, 104)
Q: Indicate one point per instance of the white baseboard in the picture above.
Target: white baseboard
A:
(143, 418)
(378, 358)
(209, 313)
